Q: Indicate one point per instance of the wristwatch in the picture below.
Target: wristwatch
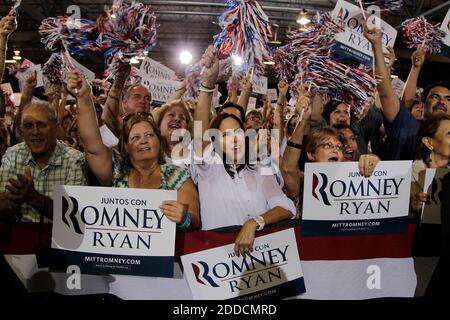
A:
(260, 221)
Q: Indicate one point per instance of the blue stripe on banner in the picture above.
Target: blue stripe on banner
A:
(96, 263)
(343, 51)
(347, 227)
(285, 290)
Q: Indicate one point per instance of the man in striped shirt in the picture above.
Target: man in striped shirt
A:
(30, 170)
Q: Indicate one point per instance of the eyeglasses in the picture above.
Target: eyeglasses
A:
(137, 96)
(146, 115)
(329, 146)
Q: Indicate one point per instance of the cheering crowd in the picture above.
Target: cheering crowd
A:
(221, 178)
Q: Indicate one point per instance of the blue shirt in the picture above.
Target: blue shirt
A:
(401, 135)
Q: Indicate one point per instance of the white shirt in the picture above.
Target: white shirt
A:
(225, 201)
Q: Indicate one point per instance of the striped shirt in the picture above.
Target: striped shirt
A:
(65, 167)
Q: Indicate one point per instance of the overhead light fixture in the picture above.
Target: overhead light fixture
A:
(10, 61)
(393, 76)
(185, 57)
(274, 40)
(303, 18)
(237, 60)
(17, 58)
(269, 63)
(16, 52)
(134, 61)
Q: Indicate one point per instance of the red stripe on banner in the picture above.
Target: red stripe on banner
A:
(24, 237)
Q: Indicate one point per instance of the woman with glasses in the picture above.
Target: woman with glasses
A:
(325, 144)
(233, 191)
(141, 162)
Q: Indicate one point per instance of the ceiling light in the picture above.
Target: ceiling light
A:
(269, 63)
(134, 61)
(237, 61)
(16, 52)
(17, 58)
(303, 18)
(185, 57)
(10, 61)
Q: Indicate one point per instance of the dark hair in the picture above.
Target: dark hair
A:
(215, 124)
(233, 105)
(428, 128)
(427, 90)
(329, 108)
(341, 126)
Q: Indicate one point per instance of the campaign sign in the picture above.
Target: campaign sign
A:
(152, 69)
(445, 26)
(113, 231)
(337, 199)
(271, 271)
(259, 84)
(161, 90)
(432, 185)
(351, 45)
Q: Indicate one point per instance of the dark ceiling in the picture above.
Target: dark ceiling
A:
(190, 24)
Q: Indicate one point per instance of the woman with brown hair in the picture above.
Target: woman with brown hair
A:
(432, 151)
(141, 162)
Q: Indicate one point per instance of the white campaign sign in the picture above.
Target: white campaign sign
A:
(22, 76)
(88, 74)
(351, 42)
(337, 199)
(151, 69)
(259, 84)
(161, 90)
(219, 274)
(445, 26)
(99, 223)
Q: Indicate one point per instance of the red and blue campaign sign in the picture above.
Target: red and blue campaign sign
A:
(337, 199)
(113, 231)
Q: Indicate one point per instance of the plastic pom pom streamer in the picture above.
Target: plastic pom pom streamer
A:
(384, 4)
(419, 32)
(126, 30)
(245, 33)
(52, 70)
(64, 33)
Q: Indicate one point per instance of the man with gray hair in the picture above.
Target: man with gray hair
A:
(30, 170)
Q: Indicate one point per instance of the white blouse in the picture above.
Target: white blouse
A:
(225, 201)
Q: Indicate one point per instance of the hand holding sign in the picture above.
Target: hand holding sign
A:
(244, 241)
(373, 35)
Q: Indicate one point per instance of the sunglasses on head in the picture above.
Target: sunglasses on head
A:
(146, 115)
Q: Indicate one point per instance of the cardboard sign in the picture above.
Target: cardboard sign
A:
(337, 199)
(161, 90)
(432, 185)
(113, 231)
(259, 84)
(271, 271)
(351, 44)
(88, 74)
(151, 69)
(272, 94)
(445, 26)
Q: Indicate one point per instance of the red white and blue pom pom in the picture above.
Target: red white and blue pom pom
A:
(52, 70)
(419, 32)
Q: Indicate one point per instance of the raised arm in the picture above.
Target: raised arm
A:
(207, 84)
(7, 26)
(178, 93)
(409, 94)
(232, 90)
(289, 163)
(246, 91)
(112, 108)
(389, 102)
(27, 96)
(97, 154)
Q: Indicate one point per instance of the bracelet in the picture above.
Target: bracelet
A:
(207, 87)
(294, 145)
(186, 222)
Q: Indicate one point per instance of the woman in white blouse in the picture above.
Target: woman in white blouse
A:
(232, 191)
